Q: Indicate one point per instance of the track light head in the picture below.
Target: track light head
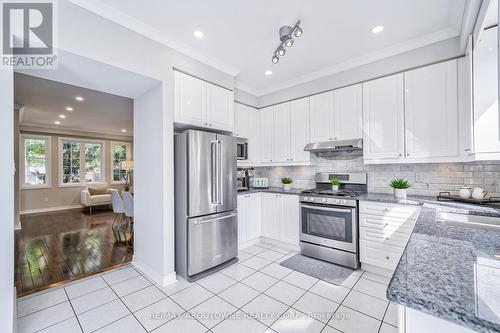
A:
(289, 42)
(275, 59)
(281, 51)
(298, 32)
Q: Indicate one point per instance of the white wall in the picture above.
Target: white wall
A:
(419, 57)
(153, 236)
(7, 201)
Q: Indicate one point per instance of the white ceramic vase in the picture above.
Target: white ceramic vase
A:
(400, 193)
(335, 187)
(287, 187)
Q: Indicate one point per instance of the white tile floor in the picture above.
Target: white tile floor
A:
(254, 295)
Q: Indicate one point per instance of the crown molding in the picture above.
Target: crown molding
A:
(416, 43)
(116, 16)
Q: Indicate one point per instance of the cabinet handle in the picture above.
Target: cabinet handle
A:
(206, 124)
(407, 154)
(387, 258)
(400, 155)
(387, 238)
(467, 149)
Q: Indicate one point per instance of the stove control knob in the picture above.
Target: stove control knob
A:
(344, 202)
(324, 200)
(337, 201)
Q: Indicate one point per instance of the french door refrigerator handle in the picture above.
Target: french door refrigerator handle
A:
(219, 173)
(213, 166)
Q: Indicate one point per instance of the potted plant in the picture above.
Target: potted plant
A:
(399, 185)
(287, 183)
(335, 184)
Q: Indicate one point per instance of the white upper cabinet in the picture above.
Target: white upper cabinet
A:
(190, 100)
(266, 134)
(202, 104)
(486, 122)
(383, 118)
(253, 135)
(321, 117)
(282, 132)
(347, 113)
(431, 111)
(299, 130)
(336, 115)
(241, 120)
(220, 108)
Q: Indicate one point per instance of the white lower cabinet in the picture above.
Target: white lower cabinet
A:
(280, 217)
(248, 217)
(384, 230)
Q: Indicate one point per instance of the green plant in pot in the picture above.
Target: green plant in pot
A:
(287, 183)
(399, 185)
(335, 184)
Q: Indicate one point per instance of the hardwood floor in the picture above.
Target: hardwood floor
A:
(61, 246)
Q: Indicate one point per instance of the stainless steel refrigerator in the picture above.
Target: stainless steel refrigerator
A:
(206, 235)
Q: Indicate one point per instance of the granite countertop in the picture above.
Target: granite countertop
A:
(447, 270)
(279, 190)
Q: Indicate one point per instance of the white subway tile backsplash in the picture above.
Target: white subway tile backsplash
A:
(432, 178)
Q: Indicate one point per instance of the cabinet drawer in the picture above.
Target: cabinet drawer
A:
(385, 256)
(388, 223)
(384, 237)
(394, 210)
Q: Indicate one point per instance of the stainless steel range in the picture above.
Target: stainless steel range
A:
(329, 219)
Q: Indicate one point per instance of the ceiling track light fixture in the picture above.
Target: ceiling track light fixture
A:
(286, 34)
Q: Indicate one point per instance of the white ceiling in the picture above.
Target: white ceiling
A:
(45, 100)
(337, 33)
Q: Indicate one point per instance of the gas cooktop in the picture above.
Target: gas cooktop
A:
(331, 193)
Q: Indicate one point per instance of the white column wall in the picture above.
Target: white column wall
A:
(7, 201)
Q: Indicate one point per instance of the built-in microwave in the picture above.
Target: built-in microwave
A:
(242, 149)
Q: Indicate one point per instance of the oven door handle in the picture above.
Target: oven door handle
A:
(329, 209)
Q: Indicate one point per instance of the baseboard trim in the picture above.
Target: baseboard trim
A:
(161, 280)
(377, 270)
(249, 243)
(49, 209)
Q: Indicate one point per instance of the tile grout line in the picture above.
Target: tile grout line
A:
(72, 308)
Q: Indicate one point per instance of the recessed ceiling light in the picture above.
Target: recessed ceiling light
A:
(62, 116)
(378, 29)
(268, 72)
(124, 130)
(69, 108)
(57, 122)
(79, 98)
(198, 34)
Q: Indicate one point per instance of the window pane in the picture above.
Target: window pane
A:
(93, 152)
(71, 162)
(119, 155)
(35, 163)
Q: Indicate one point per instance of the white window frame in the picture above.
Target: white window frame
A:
(82, 142)
(129, 156)
(22, 161)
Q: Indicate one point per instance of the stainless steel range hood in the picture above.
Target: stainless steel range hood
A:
(339, 149)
